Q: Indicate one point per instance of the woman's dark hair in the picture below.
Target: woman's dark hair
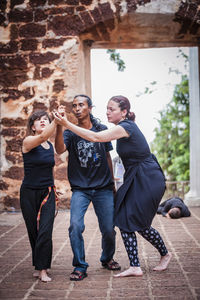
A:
(36, 115)
(124, 103)
(95, 122)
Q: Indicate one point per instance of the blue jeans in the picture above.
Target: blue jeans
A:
(103, 203)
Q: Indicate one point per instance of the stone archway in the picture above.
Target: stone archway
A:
(45, 60)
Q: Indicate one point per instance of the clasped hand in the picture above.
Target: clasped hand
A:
(60, 116)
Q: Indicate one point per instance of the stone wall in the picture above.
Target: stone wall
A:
(44, 61)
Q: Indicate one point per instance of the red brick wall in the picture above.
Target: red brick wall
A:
(40, 60)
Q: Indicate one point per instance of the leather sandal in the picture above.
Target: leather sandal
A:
(78, 275)
(111, 265)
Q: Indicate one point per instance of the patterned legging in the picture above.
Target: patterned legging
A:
(130, 242)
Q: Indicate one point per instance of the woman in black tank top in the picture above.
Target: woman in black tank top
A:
(37, 195)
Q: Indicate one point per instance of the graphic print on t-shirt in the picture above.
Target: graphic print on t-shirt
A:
(87, 154)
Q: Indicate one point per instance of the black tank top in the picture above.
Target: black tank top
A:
(38, 167)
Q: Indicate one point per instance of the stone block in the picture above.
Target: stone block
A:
(11, 47)
(29, 44)
(58, 85)
(40, 15)
(18, 16)
(43, 58)
(32, 30)
(15, 173)
(66, 25)
(14, 145)
(50, 43)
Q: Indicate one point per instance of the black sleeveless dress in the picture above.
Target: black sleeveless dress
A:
(137, 200)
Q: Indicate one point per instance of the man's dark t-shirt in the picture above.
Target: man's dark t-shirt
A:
(87, 164)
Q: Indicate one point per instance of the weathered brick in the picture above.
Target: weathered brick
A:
(13, 3)
(58, 85)
(14, 173)
(37, 73)
(192, 10)
(40, 15)
(46, 72)
(181, 13)
(106, 11)
(61, 173)
(10, 62)
(12, 201)
(69, 10)
(3, 185)
(102, 28)
(96, 15)
(13, 122)
(3, 5)
(36, 3)
(11, 47)
(86, 2)
(107, 14)
(56, 2)
(2, 19)
(11, 158)
(131, 6)
(15, 94)
(11, 78)
(85, 16)
(43, 58)
(53, 43)
(39, 105)
(10, 132)
(67, 25)
(14, 145)
(32, 30)
(18, 16)
(29, 44)
(72, 2)
(80, 8)
(53, 103)
(142, 2)
(14, 32)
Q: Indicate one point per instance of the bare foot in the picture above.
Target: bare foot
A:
(44, 277)
(132, 271)
(36, 273)
(164, 262)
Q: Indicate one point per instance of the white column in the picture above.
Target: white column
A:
(192, 198)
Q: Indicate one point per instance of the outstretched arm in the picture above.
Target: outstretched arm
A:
(107, 135)
(33, 141)
(59, 142)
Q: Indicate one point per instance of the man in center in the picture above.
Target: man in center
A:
(91, 178)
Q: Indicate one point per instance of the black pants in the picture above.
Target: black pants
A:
(41, 239)
(130, 243)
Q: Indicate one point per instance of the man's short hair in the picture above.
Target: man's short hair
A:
(175, 213)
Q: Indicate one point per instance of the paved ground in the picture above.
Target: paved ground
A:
(180, 281)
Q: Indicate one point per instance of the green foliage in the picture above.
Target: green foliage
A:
(171, 143)
(115, 57)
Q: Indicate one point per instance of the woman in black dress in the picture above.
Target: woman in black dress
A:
(137, 200)
(37, 196)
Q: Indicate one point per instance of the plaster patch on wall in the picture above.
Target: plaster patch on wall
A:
(5, 164)
(13, 109)
(160, 7)
(5, 34)
(123, 6)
